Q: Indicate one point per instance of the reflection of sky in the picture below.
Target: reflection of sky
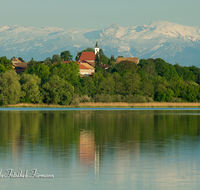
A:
(135, 167)
(176, 169)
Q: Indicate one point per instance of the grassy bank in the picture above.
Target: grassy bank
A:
(115, 104)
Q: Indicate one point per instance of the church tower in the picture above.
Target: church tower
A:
(96, 49)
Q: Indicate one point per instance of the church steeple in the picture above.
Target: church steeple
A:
(96, 49)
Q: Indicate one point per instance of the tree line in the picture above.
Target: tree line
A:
(52, 82)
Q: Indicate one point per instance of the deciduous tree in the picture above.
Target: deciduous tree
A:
(56, 59)
(10, 88)
(30, 88)
(68, 72)
(66, 55)
(57, 91)
(42, 71)
(6, 62)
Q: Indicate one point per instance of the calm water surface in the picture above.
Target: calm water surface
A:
(101, 149)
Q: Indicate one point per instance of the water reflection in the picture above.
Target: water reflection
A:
(102, 149)
(87, 148)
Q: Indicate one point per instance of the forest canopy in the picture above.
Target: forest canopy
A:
(53, 82)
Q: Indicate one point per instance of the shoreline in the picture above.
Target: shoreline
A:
(112, 105)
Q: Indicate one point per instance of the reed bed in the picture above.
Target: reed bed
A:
(35, 105)
(115, 105)
(140, 105)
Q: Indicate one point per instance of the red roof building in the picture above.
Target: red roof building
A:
(87, 57)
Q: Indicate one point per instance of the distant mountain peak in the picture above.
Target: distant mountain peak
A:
(113, 25)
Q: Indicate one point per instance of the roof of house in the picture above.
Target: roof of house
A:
(20, 64)
(81, 66)
(16, 60)
(87, 56)
(133, 59)
(83, 61)
(87, 65)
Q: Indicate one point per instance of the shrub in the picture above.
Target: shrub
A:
(103, 98)
(75, 100)
(135, 99)
(86, 98)
(149, 99)
(117, 98)
(175, 99)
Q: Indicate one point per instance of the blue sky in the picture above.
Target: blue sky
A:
(93, 14)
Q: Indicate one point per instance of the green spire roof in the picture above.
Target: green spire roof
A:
(96, 46)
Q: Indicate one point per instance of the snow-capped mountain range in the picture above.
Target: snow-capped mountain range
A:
(172, 42)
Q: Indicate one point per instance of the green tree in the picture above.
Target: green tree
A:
(6, 62)
(100, 69)
(88, 87)
(126, 66)
(42, 71)
(179, 87)
(2, 68)
(169, 94)
(12, 58)
(143, 74)
(30, 88)
(10, 88)
(162, 91)
(131, 83)
(147, 88)
(196, 72)
(165, 70)
(97, 78)
(148, 66)
(57, 91)
(89, 49)
(66, 55)
(21, 59)
(32, 63)
(188, 75)
(47, 61)
(69, 72)
(56, 59)
(119, 87)
(106, 86)
(192, 92)
(101, 59)
(111, 60)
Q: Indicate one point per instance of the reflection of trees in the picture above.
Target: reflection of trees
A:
(49, 129)
(59, 130)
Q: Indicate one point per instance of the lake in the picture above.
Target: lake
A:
(99, 149)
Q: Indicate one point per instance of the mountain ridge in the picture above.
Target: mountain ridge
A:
(173, 42)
